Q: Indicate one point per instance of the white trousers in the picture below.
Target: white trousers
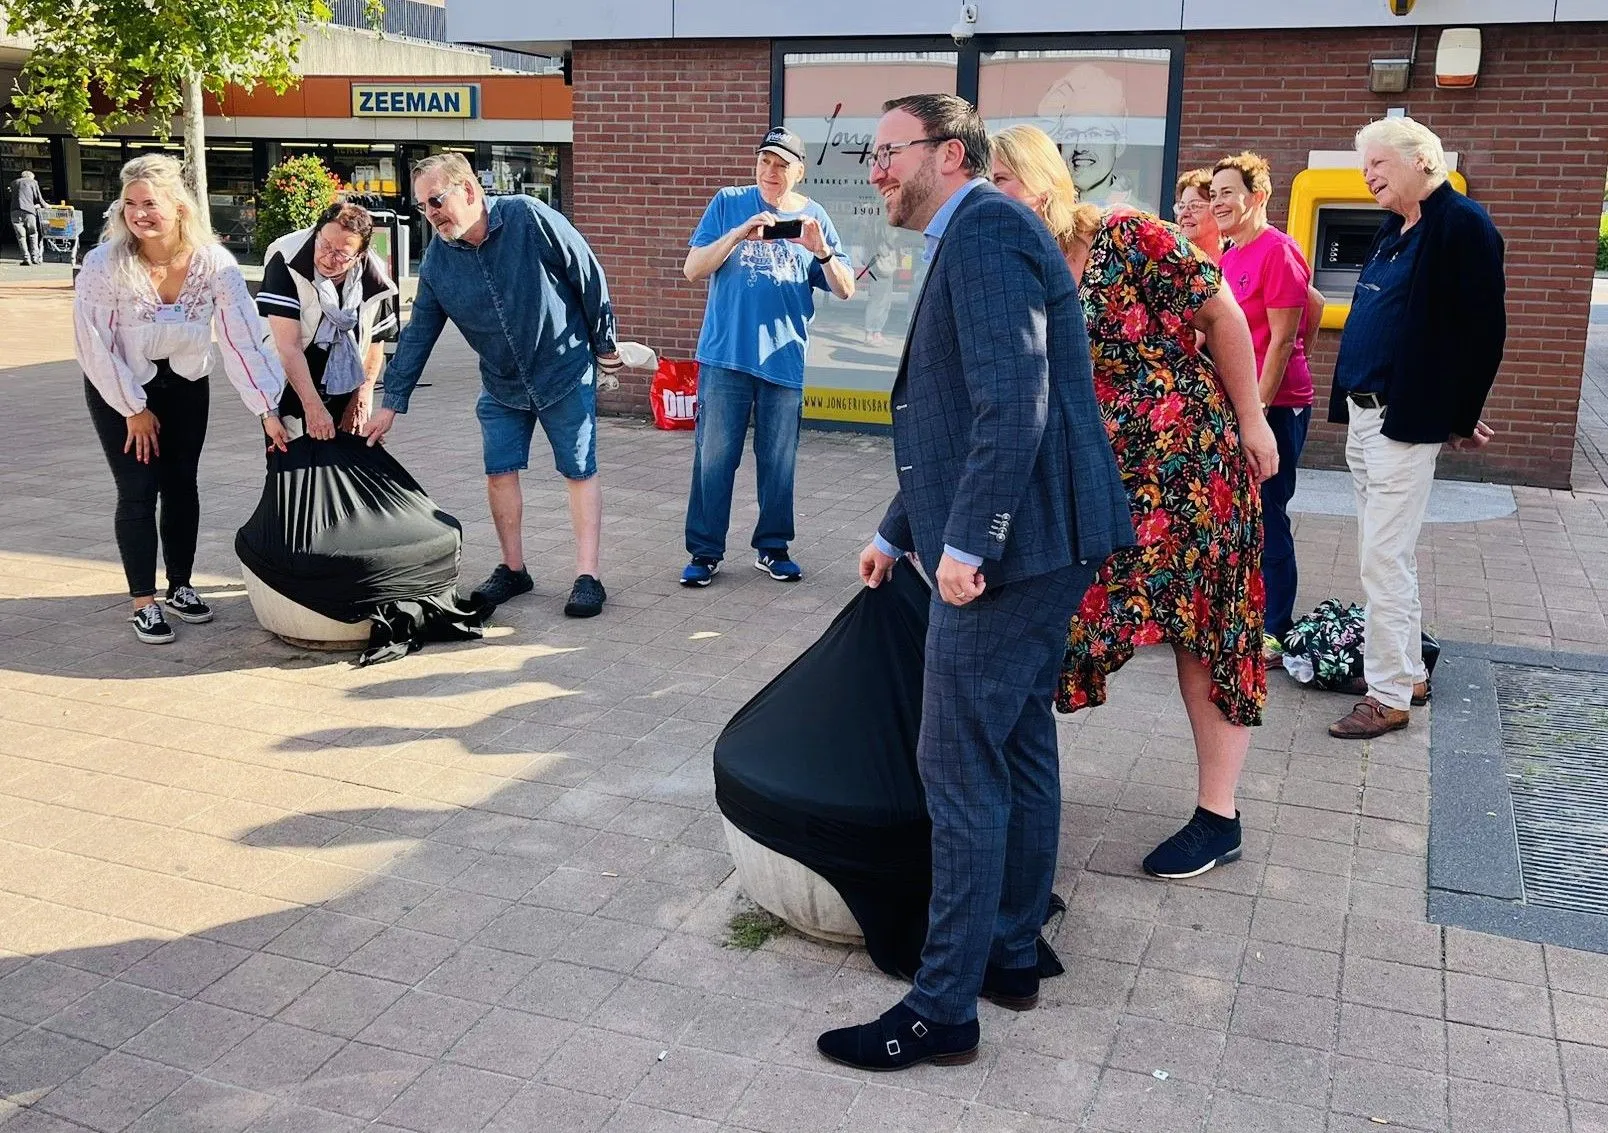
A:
(1392, 480)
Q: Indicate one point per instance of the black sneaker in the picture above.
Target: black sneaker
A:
(586, 598)
(503, 585)
(1208, 840)
(150, 626)
(186, 605)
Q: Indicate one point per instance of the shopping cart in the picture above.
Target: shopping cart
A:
(60, 227)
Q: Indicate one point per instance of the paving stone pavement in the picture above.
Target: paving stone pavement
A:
(247, 887)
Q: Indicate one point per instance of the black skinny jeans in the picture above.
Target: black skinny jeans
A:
(180, 407)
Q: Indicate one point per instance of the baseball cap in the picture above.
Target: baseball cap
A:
(783, 143)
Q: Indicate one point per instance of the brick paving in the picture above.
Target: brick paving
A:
(245, 887)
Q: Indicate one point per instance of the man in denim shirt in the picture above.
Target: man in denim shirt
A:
(523, 288)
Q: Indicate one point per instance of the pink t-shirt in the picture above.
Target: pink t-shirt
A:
(1270, 272)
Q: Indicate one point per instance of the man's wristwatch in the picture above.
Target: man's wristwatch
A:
(826, 259)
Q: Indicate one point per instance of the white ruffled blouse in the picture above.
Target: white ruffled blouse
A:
(121, 331)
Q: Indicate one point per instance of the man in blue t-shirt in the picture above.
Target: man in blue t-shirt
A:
(751, 350)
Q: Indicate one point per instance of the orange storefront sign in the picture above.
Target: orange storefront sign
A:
(542, 98)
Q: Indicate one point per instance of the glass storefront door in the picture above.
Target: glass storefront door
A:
(833, 102)
(1111, 108)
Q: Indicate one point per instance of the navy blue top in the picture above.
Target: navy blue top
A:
(1369, 344)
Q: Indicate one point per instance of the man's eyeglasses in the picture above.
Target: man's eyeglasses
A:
(882, 156)
(440, 198)
(344, 259)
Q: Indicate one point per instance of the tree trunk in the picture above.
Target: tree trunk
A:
(195, 143)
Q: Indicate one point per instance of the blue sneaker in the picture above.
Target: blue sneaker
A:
(775, 563)
(700, 572)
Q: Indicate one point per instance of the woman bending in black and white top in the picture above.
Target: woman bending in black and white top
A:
(330, 305)
(148, 300)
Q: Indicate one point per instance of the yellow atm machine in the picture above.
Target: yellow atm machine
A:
(1334, 218)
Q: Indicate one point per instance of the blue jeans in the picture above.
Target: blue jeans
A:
(1278, 542)
(726, 401)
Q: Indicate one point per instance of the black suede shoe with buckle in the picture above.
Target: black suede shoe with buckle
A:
(1015, 989)
(899, 1040)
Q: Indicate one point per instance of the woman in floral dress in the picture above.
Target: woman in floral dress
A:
(1192, 444)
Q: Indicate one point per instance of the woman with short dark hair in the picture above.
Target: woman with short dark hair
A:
(329, 303)
(1192, 207)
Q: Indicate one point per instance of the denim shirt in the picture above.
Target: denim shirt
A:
(530, 299)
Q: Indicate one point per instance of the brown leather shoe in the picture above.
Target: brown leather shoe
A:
(1358, 686)
(1368, 719)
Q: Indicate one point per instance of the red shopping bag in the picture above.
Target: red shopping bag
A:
(675, 395)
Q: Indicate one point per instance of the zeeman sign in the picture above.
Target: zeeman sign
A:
(388, 100)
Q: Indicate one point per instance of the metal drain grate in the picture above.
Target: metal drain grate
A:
(1555, 732)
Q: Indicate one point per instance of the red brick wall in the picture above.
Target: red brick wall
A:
(1531, 139)
(659, 128)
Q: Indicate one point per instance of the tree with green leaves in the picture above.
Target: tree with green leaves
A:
(97, 64)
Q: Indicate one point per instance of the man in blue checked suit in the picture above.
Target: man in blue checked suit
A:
(1009, 495)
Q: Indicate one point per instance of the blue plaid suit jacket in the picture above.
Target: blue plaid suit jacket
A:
(997, 435)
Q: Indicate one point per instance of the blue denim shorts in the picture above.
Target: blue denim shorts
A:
(570, 424)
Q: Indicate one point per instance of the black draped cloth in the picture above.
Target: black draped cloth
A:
(820, 767)
(342, 529)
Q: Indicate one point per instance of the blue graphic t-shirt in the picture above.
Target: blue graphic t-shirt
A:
(761, 299)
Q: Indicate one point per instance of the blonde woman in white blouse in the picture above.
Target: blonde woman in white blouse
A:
(148, 301)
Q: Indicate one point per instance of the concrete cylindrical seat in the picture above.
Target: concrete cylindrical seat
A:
(299, 625)
(794, 892)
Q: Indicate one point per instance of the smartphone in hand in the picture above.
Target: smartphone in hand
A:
(782, 230)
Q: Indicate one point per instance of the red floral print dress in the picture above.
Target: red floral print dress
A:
(1195, 578)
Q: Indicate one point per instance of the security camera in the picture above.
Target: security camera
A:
(966, 27)
(1400, 7)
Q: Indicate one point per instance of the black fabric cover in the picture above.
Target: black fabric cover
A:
(342, 529)
(820, 766)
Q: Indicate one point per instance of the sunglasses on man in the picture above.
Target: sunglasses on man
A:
(440, 198)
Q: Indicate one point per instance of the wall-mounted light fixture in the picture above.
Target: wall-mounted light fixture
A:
(1395, 74)
(1389, 76)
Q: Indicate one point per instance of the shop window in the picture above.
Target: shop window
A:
(528, 169)
(232, 189)
(100, 162)
(1112, 108)
(833, 101)
(17, 154)
(367, 170)
(1106, 110)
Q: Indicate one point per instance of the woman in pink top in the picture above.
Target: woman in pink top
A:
(1269, 277)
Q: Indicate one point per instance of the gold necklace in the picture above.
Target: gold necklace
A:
(150, 263)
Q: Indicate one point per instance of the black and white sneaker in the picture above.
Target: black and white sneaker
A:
(1208, 840)
(150, 626)
(186, 605)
